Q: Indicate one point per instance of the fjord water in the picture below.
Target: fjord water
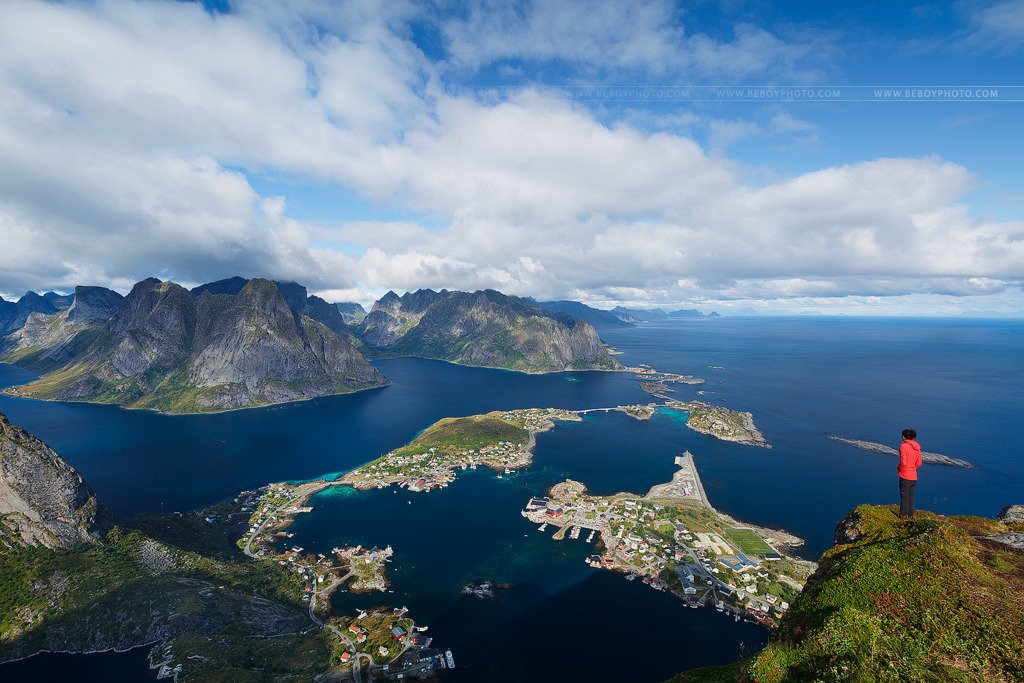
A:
(955, 381)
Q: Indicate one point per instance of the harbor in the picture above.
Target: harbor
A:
(673, 540)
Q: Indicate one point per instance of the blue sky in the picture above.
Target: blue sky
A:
(524, 146)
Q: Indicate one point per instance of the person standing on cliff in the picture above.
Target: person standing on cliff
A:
(910, 460)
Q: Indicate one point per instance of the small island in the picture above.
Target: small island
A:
(721, 423)
(656, 383)
(674, 540)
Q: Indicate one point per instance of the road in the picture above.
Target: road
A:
(314, 572)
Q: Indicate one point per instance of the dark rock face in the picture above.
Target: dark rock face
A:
(296, 296)
(231, 285)
(848, 530)
(294, 293)
(93, 305)
(485, 328)
(168, 349)
(43, 500)
(325, 313)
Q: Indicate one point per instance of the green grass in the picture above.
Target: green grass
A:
(916, 600)
(454, 434)
(748, 542)
(116, 590)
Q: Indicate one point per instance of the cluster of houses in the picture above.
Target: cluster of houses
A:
(644, 540)
(435, 469)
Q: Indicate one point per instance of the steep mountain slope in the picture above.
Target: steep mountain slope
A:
(72, 581)
(13, 314)
(296, 296)
(485, 328)
(598, 319)
(351, 313)
(48, 340)
(43, 500)
(930, 599)
(171, 350)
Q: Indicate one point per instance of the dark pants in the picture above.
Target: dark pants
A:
(907, 497)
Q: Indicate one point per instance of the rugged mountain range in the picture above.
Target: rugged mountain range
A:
(48, 340)
(647, 315)
(43, 500)
(332, 315)
(238, 343)
(484, 328)
(176, 350)
(13, 314)
(597, 318)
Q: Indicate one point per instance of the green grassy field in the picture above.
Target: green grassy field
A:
(454, 434)
(748, 542)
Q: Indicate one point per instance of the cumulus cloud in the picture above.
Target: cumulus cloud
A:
(607, 36)
(129, 133)
(999, 27)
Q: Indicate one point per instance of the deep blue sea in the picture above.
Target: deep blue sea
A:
(955, 381)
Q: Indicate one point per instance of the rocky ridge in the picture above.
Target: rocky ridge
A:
(484, 328)
(43, 500)
(169, 349)
(48, 340)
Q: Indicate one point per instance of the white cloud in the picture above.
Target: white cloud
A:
(998, 27)
(123, 127)
(609, 36)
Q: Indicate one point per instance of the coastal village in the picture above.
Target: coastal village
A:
(502, 441)
(673, 540)
(387, 642)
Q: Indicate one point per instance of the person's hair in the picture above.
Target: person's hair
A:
(909, 434)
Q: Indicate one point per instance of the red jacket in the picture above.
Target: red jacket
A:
(910, 459)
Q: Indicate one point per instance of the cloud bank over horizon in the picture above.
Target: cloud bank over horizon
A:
(150, 138)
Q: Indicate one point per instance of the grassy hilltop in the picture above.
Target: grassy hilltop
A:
(928, 599)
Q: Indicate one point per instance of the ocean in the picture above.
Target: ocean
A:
(955, 381)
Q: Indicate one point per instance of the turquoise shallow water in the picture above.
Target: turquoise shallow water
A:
(955, 381)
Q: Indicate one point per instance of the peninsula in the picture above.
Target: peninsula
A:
(674, 540)
(502, 441)
(930, 458)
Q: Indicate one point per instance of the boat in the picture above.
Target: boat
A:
(450, 659)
